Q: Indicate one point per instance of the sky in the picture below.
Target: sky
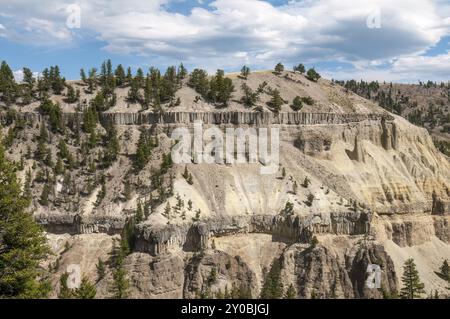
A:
(385, 40)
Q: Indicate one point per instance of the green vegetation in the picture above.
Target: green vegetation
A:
(310, 199)
(288, 209)
(443, 146)
(297, 104)
(276, 102)
(250, 98)
(245, 72)
(8, 87)
(144, 149)
(220, 89)
(413, 288)
(273, 287)
(312, 75)
(445, 270)
(22, 241)
(101, 269)
(308, 100)
(300, 68)
(199, 81)
(120, 285)
(86, 290)
(279, 68)
(290, 293)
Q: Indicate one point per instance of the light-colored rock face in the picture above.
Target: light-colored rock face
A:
(381, 194)
(257, 250)
(77, 255)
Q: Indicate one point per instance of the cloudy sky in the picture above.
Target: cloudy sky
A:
(401, 40)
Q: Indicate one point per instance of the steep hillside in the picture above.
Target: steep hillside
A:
(424, 104)
(355, 185)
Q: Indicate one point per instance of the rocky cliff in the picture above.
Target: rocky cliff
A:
(356, 187)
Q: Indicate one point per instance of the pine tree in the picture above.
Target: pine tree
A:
(445, 270)
(290, 293)
(64, 291)
(221, 88)
(276, 102)
(129, 76)
(412, 286)
(245, 71)
(27, 192)
(313, 75)
(44, 195)
(144, 149)
(92, 80)
(306, 182)
(167, 211)
(22, 243)
(169, 85)
(27, 89)
(197, 215)
(295, 187)
(120, 75)
(72, 95)
(212, 278)
(279, 68)
(63, 150)
(139, 217)
(190, 179)
(8, 86)
(59, 168)
(199, 82)
(273, 287)
(249, 98)
(297, 104)
(185, 173)
(57, 82)
(112, 145)
(299, 68)
(134, 96)
(86, 290)
(83, 76)
(28, 77)
(182, 72)
(121, 285)
(101, 269)
(140, 77)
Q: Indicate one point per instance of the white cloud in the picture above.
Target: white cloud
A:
(18, 75)
(407, 69)
(424, 67)
(234, 32)
(47, 28)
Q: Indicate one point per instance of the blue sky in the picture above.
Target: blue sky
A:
(405, 41)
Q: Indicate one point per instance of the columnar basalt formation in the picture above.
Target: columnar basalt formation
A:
(77, 224)
(216, 118)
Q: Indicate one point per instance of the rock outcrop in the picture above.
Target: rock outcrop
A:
(196, 237)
